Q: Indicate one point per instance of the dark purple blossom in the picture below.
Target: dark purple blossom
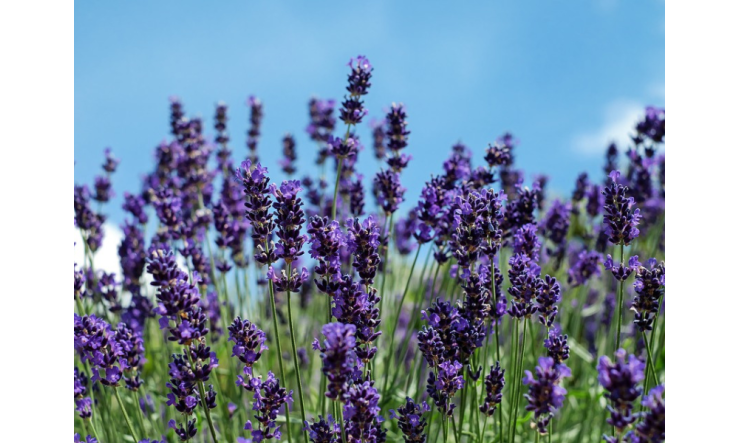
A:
(620, 271)
(620, 219)
(652, 427)
(388, 191)
(556, 345)
(525, 286)
(545, 395)
(649, 288)
(324, 430)
(548, 296)
(494, 382)
(132, 254)
(338, 356)
(363, 243)
(443, 387)
(258, 202)
(526, 242)
(248, 341)
(585, 267)
(352, 108)
(269, 398)
(136, 206)
(256, 114)
(621, 381)
(361, 412)
(410, 420)
(378, 139)
(358, 306)
(185, 431)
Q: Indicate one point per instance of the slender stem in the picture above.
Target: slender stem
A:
(620, 300)
(125, 414)
(335, 191)
(294, 354)
(513, 386)
(650, 361)
(207, 411)
(279, 351)
(138, 408)
(385, 233)
(517, 381)
(388, 359)
(453, 424)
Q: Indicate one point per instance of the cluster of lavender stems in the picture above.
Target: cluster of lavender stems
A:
(507, 272)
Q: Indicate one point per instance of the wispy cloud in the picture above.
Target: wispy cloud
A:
(618, 121)
(106, 258)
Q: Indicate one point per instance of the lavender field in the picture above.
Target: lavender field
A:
(330, 307)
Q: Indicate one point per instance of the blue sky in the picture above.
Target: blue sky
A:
(564, 77)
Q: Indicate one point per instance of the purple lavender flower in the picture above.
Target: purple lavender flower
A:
(620, 271)
(545, 395)
(519, 212)
(356, 197)
(378, 139)
(103, 189)
(363, 243)
(649, 288)
(111, 163)
(556, 345)
(611, 159)
(324, 430)
(248, 341)
(258, 202)
(352, 108)
(269, 398)
(410, 420)
(185, 431)
(580, 188)
(652, 427)
(132, 254)
(136, 206)
(168, 210)
(358, 307)
(396, 128)
(284, 283)
(547, 297)
(362, 414)
(443, 388)
(290, 156)
(88, 439)
(339, 357)
(595, 200)
(525, 286)
(494, 382)
(132, 355)
(388, 191)
(290, 218)
(404, 230)
(555, 227)
(326, 240)
(620, 219)
(526, 242)
(621, 381)
(256, 110)
(586, 266)
(653, 125)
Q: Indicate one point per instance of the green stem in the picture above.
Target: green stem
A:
(138, 408)
(125, 414)
(207, 411)
(384, 263)
(388, 359)
(650, 361)
(335, 189)
(279, 351)
(517, 381)
(294, 354)
(620, 300)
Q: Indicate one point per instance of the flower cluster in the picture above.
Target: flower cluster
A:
(649, 288)
(545, 393)
(410, 420)
(494, 382)
(621, 381)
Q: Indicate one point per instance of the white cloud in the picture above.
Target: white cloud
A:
(106, 257)
(618, 121)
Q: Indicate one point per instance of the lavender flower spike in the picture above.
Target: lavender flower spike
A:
(620, 218)
(545, 395)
